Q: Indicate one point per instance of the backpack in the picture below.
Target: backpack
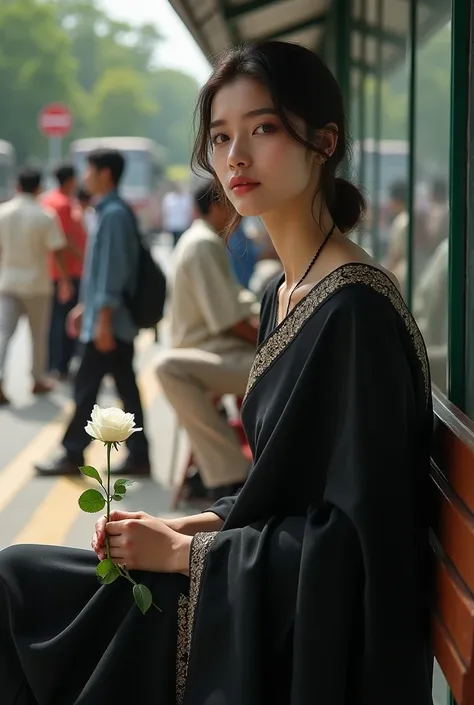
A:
(146, 304)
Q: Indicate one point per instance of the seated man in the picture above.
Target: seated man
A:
(213, 344)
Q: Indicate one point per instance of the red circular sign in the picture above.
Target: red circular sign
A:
(55, 120)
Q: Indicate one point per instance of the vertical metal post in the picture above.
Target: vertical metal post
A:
(343, 15)
(459, 146)
(362, 104)
(377, 134)
(412, 78)
(54, 151)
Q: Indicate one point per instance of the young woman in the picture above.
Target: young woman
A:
(309, 586)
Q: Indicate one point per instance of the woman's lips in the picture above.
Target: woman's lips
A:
(242, 189)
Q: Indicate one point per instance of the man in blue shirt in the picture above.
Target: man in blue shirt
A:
(102, 321)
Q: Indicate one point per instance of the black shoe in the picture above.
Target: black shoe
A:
(62, 465)
(130, 467)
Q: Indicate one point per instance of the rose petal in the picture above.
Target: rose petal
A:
(90, 430)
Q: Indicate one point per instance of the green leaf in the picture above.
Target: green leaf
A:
(107, 571)
(89, 471)
(111, 576)
(105, 567)
(143, 598)
(125, 483)
(91, 501)
(120, 489)
(117, 497)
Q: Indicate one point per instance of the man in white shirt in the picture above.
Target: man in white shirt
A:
(28, 233)
(396, 260)
(177, 210)
(214, 339)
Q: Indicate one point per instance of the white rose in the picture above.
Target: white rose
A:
(111, 425)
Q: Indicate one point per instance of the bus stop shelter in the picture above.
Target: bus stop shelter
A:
(404, 67)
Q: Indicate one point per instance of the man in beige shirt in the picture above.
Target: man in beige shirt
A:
(28, 233)
(213, 344)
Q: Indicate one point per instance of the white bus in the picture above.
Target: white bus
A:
(144, 172)
(7, 170)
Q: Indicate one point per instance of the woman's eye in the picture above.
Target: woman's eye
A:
(219, 138)
(265, 129)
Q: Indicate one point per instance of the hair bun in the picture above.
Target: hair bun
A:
(348, 205)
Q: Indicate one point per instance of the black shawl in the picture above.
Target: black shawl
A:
(315, 589)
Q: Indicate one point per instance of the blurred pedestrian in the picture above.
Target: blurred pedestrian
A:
(214, 337)
(28, 233)
(85, 210)
(103, 322)
(176, 211)
(60, 200)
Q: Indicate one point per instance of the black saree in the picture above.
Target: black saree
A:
(315, 591)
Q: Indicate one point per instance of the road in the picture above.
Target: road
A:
(45, 510)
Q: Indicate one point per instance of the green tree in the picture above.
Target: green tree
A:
(121, 105)
(36, 67)
(176, 94)
(432, 109)
(100, 43)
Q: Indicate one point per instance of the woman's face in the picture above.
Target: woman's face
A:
(258, 164)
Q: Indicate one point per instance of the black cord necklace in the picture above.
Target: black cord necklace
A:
(300, 281)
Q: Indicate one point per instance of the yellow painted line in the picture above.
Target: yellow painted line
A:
(56, 514)
(17, 473)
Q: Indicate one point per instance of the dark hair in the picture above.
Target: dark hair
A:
(300, 84)
(110, 159)
(205, 195)
(63, 173)
(83, 194)
(399, 192)
(29, 180)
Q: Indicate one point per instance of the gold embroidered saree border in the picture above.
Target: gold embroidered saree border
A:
(200, 547)
(356, 273)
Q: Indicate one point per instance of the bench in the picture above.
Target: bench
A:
(452, 540)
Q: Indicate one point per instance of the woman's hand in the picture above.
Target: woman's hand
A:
(147, 543)
(185, 525)
(98, 539)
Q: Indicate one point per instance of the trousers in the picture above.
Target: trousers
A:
(191, 379)
(37, 310)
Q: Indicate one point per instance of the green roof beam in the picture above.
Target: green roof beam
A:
(371, 30)
(296, 27)
(230, 22)
(232, 12)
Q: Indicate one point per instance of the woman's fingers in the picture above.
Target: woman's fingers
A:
(117, 555)
(118, 540)
(100, 529)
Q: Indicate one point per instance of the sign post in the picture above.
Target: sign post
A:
(55, 122)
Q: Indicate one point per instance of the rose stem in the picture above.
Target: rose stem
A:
(109, 450)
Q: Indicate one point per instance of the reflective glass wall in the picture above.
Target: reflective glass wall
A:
(431, 183)
(400, 124)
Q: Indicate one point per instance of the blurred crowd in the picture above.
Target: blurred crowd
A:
(70, 259)
(71, 256)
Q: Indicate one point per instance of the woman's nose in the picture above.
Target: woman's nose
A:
(238, 157)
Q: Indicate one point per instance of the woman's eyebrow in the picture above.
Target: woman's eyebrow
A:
(251, 113)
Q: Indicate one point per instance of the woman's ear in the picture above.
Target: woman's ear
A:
(329, 136)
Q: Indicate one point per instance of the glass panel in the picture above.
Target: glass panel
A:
(385, 144)
(440, 687)
(393, 147)
(431, 208)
